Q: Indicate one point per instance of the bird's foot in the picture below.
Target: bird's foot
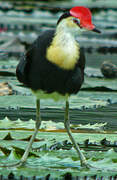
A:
(15, 165)
(86, 165)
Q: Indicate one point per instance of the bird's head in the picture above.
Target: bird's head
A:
(77, 19)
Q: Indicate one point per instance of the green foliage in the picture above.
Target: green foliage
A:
(43, 159)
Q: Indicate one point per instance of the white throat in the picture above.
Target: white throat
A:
(67, 28)
(64, 49)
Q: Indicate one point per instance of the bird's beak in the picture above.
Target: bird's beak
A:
(96, 30)
(91, 27)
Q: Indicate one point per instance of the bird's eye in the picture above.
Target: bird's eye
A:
(77, 21)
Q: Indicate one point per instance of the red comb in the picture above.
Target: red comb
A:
(85, 16)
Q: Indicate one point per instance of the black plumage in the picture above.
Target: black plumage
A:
(37, 73)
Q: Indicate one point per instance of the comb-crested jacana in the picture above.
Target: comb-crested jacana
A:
(53, 67)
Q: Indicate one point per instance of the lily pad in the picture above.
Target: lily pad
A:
(29, 101)
(58, 162)
(100, 84)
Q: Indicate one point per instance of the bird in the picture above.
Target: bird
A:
(53, 67)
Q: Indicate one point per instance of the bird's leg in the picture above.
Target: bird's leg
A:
(37, 125)
(76, 146)
(26, 153)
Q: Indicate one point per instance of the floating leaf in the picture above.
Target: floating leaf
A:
(29, 137)
(13, 156)
(5, 151)
(20, 152)
(29, 102)
(56, 155)
(8, 137)
(96, 126)
(100, 84)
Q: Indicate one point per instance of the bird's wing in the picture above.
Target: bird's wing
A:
(36, 51)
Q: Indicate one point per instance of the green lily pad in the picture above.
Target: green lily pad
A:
(57, 162)
(99, 83)
(29, 101)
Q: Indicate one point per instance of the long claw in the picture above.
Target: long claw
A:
(18, 164)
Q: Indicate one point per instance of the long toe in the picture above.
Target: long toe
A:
(20, 163)
(87, 165)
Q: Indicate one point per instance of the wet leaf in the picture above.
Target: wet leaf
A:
(96, 126)
(13, 156)
(52, 156)
(8, 137)
(100, 84)
(20, 152)
(5, 151)
(29, 101)
(29, 137)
